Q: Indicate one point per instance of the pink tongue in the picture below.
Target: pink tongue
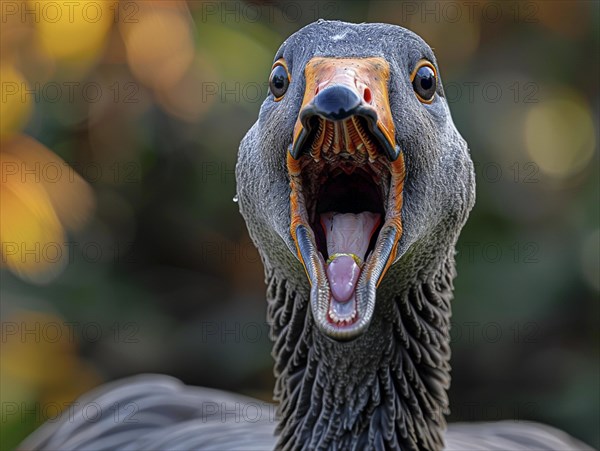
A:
(342, 274)
(346, 233)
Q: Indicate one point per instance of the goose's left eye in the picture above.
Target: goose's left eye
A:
(425, 82)
(279, 80)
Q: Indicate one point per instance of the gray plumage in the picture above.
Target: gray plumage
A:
(159, 412)
(386, 389)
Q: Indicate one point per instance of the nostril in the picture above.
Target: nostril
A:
(367, 95)
(317, 90)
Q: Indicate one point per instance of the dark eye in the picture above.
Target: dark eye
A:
(279, 80)
(425, 82)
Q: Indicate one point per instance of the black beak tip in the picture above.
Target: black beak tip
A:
(336, 103)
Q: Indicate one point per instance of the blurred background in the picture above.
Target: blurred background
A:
(123, 251)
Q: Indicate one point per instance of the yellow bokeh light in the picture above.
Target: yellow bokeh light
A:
(72, 30)
(41, 196)
(159, 46)
(560, 135)
(15, 104)
(39, 355)
(44, 355)
(188, 99)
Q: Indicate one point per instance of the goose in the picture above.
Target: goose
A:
(354, 184)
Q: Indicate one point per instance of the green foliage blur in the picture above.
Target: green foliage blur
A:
(149, 107)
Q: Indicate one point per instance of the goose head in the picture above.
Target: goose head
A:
(354, 184)
(353, 165)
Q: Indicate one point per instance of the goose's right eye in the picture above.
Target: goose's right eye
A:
(279, 80)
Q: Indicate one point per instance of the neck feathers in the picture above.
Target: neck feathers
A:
(384, 390)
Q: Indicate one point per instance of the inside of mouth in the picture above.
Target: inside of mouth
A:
(344, 183)
(346, 222)
(354, 193)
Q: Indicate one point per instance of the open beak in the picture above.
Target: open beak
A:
(346, 177)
